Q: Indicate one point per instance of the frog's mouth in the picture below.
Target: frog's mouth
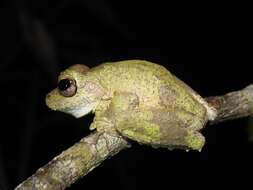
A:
(81, 111)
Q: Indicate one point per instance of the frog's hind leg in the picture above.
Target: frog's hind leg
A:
(178, 132)
(157, 128)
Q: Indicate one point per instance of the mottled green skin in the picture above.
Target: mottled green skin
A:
(140, 100)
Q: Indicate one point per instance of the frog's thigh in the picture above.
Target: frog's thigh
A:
(138, 126)
(178, 128)
(158, 128)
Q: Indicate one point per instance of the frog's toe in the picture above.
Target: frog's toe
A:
(195, 140)
(93, 126)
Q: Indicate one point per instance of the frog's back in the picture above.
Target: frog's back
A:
(154, 85)
(133, 66)
(137, 71)
(135, 76)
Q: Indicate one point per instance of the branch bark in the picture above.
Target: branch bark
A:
(84, 156)
(75, 162)
(232, 105)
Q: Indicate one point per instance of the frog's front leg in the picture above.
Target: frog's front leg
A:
(105, 119)
(103, 124)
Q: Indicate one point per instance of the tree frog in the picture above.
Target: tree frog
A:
(137, 99)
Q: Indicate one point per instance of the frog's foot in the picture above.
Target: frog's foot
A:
(103, 125)
(195, 140)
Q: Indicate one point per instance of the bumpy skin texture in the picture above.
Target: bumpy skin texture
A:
(140, 100)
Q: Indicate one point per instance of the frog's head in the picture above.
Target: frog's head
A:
(77, 93)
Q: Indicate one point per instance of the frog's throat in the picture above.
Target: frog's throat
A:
(82, 110)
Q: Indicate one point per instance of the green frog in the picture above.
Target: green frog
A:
(137, 99)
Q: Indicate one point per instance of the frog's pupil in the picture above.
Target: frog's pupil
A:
(64, 84)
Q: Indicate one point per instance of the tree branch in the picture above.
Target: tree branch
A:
(75, 162)
(84, 156)
(233, 105)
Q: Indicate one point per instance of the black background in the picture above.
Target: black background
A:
(209, 46)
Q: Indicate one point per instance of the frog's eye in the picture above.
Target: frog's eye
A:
(67, 87)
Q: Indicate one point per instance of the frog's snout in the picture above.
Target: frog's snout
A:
(49, 101)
